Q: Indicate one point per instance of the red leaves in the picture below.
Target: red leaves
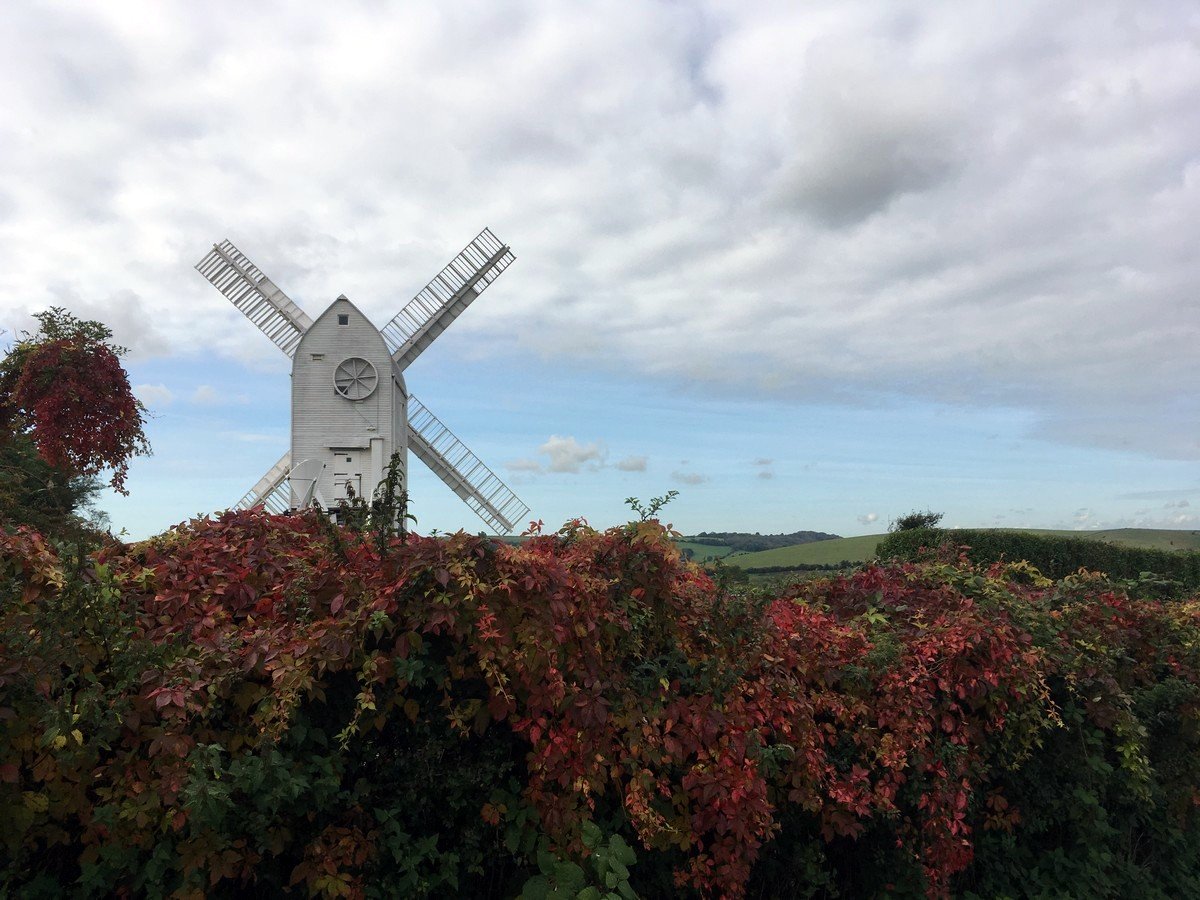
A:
(75, 401)
(878, 700)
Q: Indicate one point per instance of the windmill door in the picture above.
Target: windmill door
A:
(342, 480)
(347, 473)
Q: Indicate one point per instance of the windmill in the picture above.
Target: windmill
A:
(350, 408)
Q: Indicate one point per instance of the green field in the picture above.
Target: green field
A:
(854, 549)
(858, 549)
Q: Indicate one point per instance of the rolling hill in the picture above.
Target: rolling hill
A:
(855, 549)
(859, 549)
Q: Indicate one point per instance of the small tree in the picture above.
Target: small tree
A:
(915, 520)
(52, 502)
(66, 414)
(64, 390)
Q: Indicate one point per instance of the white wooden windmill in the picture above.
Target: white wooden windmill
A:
(350, 407)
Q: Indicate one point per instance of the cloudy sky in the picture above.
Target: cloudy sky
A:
(812, 265)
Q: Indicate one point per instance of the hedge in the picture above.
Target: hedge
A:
(1053, 555)
(258, 706)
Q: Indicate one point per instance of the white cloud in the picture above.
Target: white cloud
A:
(632, 464)
(154, 395)
(689, 477)
(1085, 520)
(983, 205)
(251, 437)
(524, 465)
(868, 518)
(568, 455)
(1090, 520)
(205, 395)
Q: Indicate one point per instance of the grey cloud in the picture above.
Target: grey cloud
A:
(766, 475)
(133, 324)
(689, 477)
(866, 132)
(632, 464)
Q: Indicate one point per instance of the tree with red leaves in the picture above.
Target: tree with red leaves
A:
(64, 391)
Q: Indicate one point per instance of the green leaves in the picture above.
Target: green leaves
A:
(609, 859)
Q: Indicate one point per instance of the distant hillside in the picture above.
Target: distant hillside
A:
(744, 542)
(860, 549)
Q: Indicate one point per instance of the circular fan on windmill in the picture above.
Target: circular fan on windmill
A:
(355, 378)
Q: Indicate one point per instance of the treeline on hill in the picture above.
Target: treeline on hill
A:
(1171, 573)
(752, 543)
(259, 704)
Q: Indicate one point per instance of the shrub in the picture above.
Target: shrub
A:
(234, 707)
(916, 520)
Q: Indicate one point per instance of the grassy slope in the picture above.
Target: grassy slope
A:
(818, 552)
(860, 548)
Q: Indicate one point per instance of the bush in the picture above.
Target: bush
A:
(916, 520)
(235, 707)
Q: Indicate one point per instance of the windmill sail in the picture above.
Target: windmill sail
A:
(462, 470)
(231, 272)
(441, 301)
(272, 491)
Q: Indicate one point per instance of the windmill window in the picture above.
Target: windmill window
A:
(343, 319)
(318, 356)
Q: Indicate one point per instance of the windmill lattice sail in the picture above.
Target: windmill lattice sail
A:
(231, 272)
(461, 470)
(441, 301)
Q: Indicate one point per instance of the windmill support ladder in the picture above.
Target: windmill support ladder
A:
(272, 491)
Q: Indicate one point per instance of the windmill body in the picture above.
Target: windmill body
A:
(349, 405)
(351, 409)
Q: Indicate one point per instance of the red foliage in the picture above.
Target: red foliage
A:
(636, 685)
(78, 407)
